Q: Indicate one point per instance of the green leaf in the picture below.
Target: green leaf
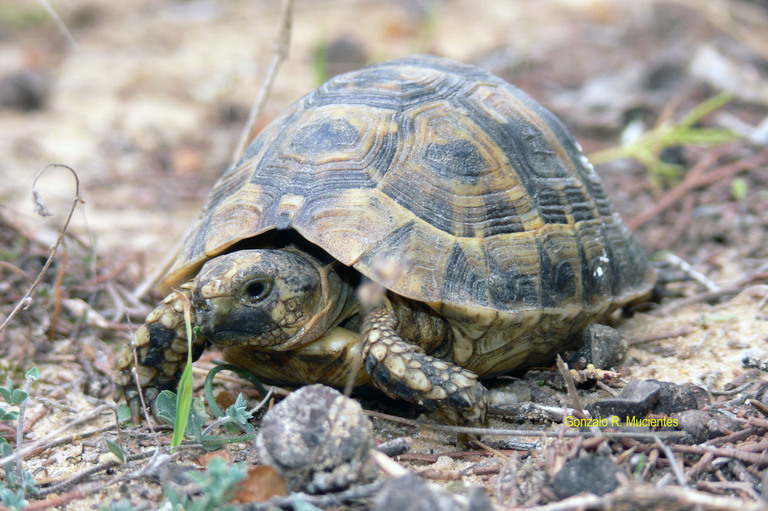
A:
(123, 412)
(183, 404)
(7, 391)
(8, 415)
(18, 397)
(739, 188)
(239, 413)
(33, 374)
(166, 406)
(184, 397)
(115, 449)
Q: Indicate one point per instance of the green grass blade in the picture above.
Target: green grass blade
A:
(184, 395)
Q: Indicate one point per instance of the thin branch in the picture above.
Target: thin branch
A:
(697, 178)
(280, 54)
(43, 211)
(37, 443)
(651, 435)
(60, 24)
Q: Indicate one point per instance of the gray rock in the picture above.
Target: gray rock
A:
(319, 440)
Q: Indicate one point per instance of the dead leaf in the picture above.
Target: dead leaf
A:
(263, 483)
(206, 458)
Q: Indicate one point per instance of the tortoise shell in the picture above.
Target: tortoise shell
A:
(440, 181)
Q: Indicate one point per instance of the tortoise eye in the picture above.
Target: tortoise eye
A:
(256, 290)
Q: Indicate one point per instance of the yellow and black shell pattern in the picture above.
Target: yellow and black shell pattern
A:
(439, 180)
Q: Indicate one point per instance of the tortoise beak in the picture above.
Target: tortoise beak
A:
(224, 321)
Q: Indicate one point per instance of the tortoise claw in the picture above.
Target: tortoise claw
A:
(134, 402)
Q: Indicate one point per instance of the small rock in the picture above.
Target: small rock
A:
(319, 440)
(703, 426)
(637, 399)
(410, 493)
(396, 446)
(544, 396)
(678, 398)
(641, 397)
(601, 346)
(24, 90)
(593, 474)
(342, 55)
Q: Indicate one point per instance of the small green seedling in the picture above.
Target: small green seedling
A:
(647, 147)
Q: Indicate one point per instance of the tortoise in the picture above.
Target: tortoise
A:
(470, 205)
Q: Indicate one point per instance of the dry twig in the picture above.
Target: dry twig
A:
(43, 211)
(280, 54)
(696, 178)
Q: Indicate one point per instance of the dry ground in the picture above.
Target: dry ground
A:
(148, 107)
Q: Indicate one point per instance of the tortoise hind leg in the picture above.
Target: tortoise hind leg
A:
(402, 370)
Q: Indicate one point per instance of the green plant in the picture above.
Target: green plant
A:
(18, 482)
(647, 147)
(181, 410)
(236, 414)
(184, 398)
(217, 487)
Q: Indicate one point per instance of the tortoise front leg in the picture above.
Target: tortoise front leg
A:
(402, 370)
(161, 351)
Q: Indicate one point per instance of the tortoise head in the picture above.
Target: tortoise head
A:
(276, 299)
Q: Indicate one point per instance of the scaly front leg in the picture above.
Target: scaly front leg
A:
(402, 370)
(161, 351)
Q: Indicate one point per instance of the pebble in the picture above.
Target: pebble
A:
(319, 440)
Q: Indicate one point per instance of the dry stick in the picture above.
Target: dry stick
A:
(669, 435)
(15, 269)
(659, 337)
(43, 211)
(59, 23)
(676, 468)
(703, 297)
(29, 449)
(752, 458)
(280, 53)
(57, 296)
(648, 495)
(696, 178)
(676, 232)
(135, 373)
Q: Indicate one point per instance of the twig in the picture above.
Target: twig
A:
(752, 458)
(697, 178)
(280, 53)
(135, 373)
(653, 497)
(37, 443)
(72, 438)
(676, 469)
(692, 272)
(668, 435)
(659, 337)
(702, 297)
(573, 395)
(20, 426)
(59, 23)
(15, 269)
(57, 296)
(94, 470)
(42, 210)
